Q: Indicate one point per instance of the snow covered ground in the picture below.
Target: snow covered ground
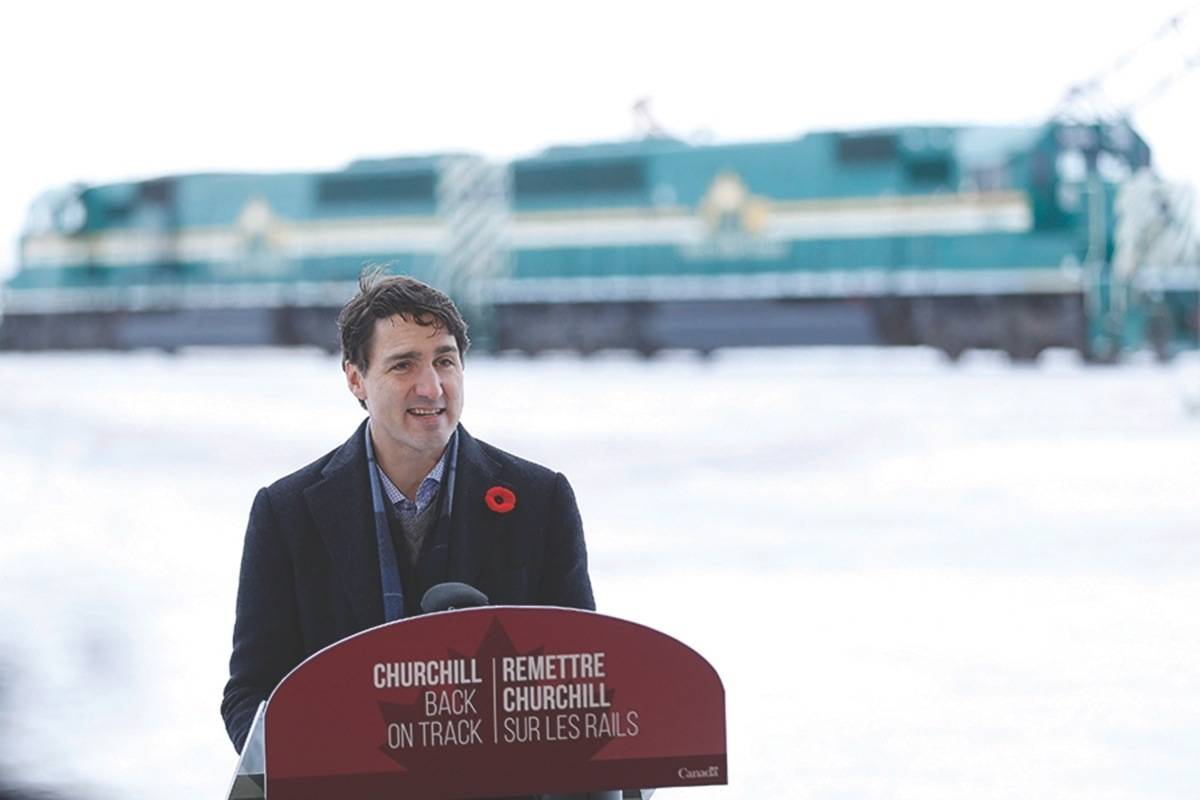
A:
(917, 580)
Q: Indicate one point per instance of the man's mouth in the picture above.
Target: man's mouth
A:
(426, 412)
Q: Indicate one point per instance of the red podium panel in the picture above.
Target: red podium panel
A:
(496, 701)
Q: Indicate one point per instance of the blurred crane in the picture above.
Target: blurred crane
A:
(1155, 248)
(1138, 76)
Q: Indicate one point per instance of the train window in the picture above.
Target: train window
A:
(869, 147)
(607, 177)
(160, 191)
(396, 188)
(929, 171)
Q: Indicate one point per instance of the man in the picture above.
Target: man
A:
(411, 500)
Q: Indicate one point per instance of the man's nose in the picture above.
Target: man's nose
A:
(429, 383)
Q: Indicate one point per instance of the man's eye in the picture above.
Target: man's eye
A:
(446, 362)
(400, 366)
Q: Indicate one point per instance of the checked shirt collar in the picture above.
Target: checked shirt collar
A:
(426, 492)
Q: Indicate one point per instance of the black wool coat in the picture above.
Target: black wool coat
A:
(310, 563)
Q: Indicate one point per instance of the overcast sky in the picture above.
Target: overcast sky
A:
(98, 92)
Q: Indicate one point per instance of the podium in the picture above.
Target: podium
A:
(497, 701)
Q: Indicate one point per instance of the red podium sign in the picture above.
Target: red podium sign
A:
(496, 701)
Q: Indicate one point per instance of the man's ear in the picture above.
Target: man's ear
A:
(356, 382)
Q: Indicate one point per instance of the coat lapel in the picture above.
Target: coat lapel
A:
(340, 505)
(472, 535)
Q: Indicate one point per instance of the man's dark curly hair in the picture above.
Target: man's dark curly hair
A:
(381, 296)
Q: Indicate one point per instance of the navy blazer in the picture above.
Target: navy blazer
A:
(310, 563)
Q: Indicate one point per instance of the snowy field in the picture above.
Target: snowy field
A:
(917, 580)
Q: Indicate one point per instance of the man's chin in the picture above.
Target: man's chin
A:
(429, 440)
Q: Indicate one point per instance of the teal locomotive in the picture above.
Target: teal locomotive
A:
(954, 237)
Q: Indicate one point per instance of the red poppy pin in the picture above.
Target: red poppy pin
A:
(500, 499)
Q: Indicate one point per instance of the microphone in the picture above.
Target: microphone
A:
(452, 595)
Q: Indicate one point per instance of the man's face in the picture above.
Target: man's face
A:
(413, 387)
